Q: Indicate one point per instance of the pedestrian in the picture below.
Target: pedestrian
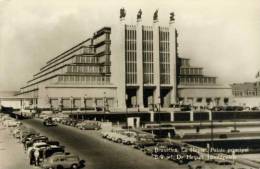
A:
(31, 157)
(36, 156)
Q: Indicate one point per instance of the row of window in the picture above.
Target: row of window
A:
(197, 80)
(83, 69)
(164, 46)
(147, 35)
(191, 71)
(103, 48)
(131, 67)
(104, 59)
(90, 102)
(148, 57)
(131, 78)
(130, 34)
(130, 57)
(101, 38)
(147, 46)
(99, 80)
(165, 78)
(86, 59)
(245, 93)
(148, 67)
(88, 50)
(185, 62)
(164, 36)
(130, 45)
(164, 57)
(148, 78)
(216, 100)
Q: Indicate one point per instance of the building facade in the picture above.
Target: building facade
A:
(131, 66)
(197, 89)
(247, 93)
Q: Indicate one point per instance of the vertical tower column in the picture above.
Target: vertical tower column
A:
(139, 62)
(172, 116)
(121, 90)
(173, 58)
(156, 59)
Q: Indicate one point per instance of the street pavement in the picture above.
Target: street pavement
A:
(12, 154)
(100, 153)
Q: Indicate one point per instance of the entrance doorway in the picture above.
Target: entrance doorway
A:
(131, 100)
(148, 97)
(165, 97)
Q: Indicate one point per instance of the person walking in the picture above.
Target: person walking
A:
(36, 156)
(31, 157)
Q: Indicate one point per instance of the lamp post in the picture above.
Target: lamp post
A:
(71, 105)
(235, 118)
(85, 103)
(85, 106)
(159, 115)
(126, 98)
(104, 105)
(211, 133)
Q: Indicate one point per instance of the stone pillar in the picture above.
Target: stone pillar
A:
(120, 64)
(210, 115)
(191, 115)
(82, 102)
(156, 59)
(173, 57)
(151, 116)
(172, 116)
(139, 57)
(21, 104)
(60, 102)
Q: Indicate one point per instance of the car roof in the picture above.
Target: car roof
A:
(39, 143)
(58, 155)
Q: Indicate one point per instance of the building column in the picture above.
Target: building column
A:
(173, 57)
(82, 102)
(120, 64)
(21, 104)
(210, 115)
(60, 102)
(151, 116)
(172, 116)
(156, 59)
(191, 115)
(139, 62)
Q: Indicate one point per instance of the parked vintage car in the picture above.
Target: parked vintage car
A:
(61, 161)
(141, 144)
(88, 125)
(49, 122)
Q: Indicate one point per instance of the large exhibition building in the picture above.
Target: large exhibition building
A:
(130, 65)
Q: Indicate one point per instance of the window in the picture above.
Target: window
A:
(226, 100)
(208, 100)
(199, 100)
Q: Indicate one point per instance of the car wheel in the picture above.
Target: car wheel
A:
(161, 157)
(74, 166)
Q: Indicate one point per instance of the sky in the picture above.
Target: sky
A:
(223, 36)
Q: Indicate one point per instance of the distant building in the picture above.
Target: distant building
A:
(130, 65)
(198, 89)
(248, 93)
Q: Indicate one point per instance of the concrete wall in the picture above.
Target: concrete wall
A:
(56, 91)
(247, 101)
(205, 92)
